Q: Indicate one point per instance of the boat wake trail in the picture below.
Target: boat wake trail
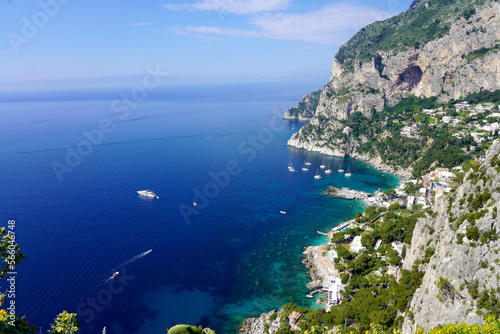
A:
(135, 258)
(115, 270)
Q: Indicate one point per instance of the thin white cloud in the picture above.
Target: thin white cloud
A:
(140, 24)
(330, 25)
(233, 6)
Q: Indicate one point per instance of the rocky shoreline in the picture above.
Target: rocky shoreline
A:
(346, 193)
(258, 325)
(318, 268)
(403, 173)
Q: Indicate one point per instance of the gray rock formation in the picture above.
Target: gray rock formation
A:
(457, 259)
(346, 193)
(258, 325)
(305, 109)
(442, 67)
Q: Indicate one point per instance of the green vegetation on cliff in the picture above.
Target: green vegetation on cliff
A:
(434, 142)
(408, 30)
(307, 107)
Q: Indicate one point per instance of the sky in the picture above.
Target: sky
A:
(68, 43)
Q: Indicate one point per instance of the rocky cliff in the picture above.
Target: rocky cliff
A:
(306, 108)
(437, 48)
(461, 281)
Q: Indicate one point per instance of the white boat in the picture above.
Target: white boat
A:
(290, 167)
(307, 163)
(348, 172)
(328, 170)
(318, 175)
(147, 193)
(283, 212)
(322, 166)
(304, 168)
(340, 169)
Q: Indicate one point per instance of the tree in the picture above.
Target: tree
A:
(358, 216)
(344, 253)
(65, 323)
(390, 192)
(9, 252)
(11, 256)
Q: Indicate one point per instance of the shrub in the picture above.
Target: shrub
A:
(344, 278)
(472, 232)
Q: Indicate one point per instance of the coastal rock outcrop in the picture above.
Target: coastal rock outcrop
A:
(346, 193)
(306, 108)
(265, 324)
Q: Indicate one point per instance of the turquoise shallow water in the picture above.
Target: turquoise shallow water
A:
(235, 257)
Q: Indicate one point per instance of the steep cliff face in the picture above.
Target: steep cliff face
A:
(306, 108)
(458, 54)
(461, 240)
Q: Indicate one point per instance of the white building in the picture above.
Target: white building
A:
(491, 127)
(477, 138)
(410, 131)
(398, 246)
(333, 286)
(447, 119)
(462, 105)
(445, 175)
(410, 202)
(356, 245)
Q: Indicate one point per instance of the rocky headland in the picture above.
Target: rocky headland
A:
(445, 66)
(346, 193)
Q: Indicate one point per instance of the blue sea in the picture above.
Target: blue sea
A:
(71, 165)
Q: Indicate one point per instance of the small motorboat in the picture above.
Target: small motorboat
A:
(115, 275)
(283, 212)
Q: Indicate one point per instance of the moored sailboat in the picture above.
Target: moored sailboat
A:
(318, 175)
(328, 170)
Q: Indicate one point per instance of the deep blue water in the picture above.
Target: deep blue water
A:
(236, 256)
